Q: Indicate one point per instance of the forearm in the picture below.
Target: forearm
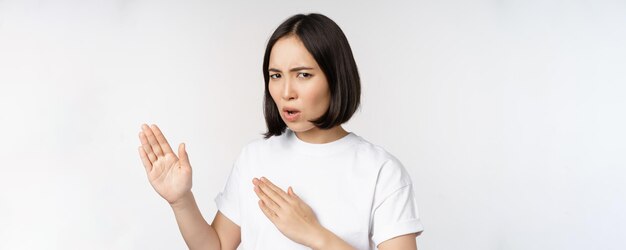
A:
(197, 233)
(328, 240)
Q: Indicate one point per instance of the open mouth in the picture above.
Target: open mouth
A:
(290, 110)
(291, 115)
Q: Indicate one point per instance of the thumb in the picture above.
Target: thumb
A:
(290, 192)
(182, 154)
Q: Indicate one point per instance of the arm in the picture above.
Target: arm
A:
(294, 218)
(228, 232)
(170, 176)
(329, 240)
(198, 234)
(406, 241)
(223, 234)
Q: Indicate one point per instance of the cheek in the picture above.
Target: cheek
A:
(321, 100)
(272, 90)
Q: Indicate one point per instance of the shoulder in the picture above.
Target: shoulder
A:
(258, 147)
(390, 170)
(377, 153)
(374, 151)
(259, 144)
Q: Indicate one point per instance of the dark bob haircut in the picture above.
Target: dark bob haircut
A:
(325, 41)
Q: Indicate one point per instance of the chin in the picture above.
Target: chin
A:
(300, 127)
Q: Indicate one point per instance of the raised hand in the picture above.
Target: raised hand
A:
(168, 174)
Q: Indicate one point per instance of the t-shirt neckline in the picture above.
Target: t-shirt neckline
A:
(320, 148)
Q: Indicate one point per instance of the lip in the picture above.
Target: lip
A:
(292, 117)
(285, 109)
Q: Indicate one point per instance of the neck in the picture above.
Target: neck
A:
(318, 136)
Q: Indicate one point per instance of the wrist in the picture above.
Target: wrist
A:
(183, 202)
(326, 239)
(322, 239)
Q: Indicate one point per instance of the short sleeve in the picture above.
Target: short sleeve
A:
(395, 209)
(227, 201)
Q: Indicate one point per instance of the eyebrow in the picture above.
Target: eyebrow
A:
(292, 70)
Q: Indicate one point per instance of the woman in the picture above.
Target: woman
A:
(308, 183)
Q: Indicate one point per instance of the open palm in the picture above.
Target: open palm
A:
(169, 175)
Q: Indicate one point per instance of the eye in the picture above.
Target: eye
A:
(304, 74)
(275, 76)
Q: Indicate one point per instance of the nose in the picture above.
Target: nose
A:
(288, 92)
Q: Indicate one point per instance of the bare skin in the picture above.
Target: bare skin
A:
(296, 82)
(170, 176)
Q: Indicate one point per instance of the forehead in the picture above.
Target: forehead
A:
(289, 52)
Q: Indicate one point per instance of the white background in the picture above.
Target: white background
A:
(509, 115)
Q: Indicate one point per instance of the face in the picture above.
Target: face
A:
(297, 84)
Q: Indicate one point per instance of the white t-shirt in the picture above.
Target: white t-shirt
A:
(357, 190)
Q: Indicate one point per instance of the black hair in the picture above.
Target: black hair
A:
(325, 41)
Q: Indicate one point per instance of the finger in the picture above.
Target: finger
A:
(293, 194)
(271, 204)
(267, 211)
(275, 189)
(156, 148)
(144, 158)
(294, 197)
(290, 192)
(182, 154)
(275, 196)
(161, 139)
(146, 147)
